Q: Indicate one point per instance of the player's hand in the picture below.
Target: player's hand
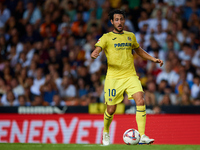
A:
(159, 61)
(96, 52)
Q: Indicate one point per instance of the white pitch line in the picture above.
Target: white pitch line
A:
(88, 145)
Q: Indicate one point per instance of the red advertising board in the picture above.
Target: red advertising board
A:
(85, 128)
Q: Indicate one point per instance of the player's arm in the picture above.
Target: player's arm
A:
(96, 52)
(146, 56)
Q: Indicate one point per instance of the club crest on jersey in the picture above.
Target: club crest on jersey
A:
(129, 38)
(98, 40)
(110, 99)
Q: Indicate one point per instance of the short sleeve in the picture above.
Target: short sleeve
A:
(101, 42)
(135, 44)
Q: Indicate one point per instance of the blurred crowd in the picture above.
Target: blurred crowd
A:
(46, 45)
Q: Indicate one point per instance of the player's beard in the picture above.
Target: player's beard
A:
(118, 30)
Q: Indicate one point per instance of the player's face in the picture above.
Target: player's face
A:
(118, 22)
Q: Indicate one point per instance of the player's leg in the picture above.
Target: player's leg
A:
(108, 117)
(140, 112)
(113, 90)
(141, 117)
(135, 91)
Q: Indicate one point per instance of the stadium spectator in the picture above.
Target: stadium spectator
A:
(67, 89)
(57, 101)
(48, 23)
(32, 69)
(87, 47)
(160, 36)
(155, 49)
(53, 59)
(66, 68)
(195, 90)
(13, 56)
(168, 74)
(185, 100)
(196, 58)
(79, 27)
(128, 24)
(186, 52)
(15, 42)
(176, 64)
(70, 10)
(39, 101)
(153, 69)
(65, 21)
(12, 24)
(190, 70)
(143, 21)
(190, 8)
(29, 96)
(22, 77)
(30, 35)
(85, 100)
(182, 82)
(57, 79)
(42, 48)
(64, 30)
(2, 87)
(171, 43)
(48, 89)
(159, 19)
(161, 88)
(50, 6)
(19, 11)
(23, 101)
(151, 95)
(166, 101)
(37, 82)
(69, 29)
(16, 87)
(157, 109)
(23, 60)
(7, 75)
(159, 4)
(10, 99)
(11, 5)
(173, 97)
(196, 102)
(94, 7)
(82, 89)
(32, 15)
(3, 46)
(5, 14)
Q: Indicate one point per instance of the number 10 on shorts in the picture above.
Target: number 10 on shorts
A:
(112, 92)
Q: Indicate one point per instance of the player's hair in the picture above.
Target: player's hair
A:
(116, 11)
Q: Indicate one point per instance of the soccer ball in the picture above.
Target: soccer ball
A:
(131, 137)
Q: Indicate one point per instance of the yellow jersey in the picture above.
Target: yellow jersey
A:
(118, 49)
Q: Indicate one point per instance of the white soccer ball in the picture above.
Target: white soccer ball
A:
(131, 137)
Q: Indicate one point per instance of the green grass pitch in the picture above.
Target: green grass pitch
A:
(20, 146)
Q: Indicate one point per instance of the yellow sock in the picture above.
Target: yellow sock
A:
(141, 118)
(107, 121)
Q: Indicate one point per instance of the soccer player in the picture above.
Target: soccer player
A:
(121, 75)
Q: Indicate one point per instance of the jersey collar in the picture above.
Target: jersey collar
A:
(117, 33)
